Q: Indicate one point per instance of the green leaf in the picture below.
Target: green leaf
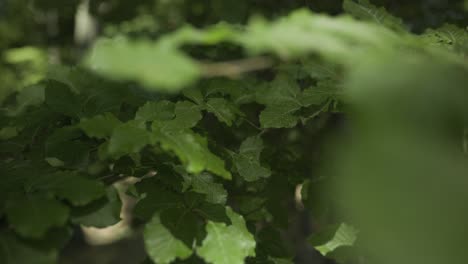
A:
(252, 207)
(76, 189)
(60, 98)
(204, 183)
(225, 111)
(240, 91)
(227, 244)
(212, 212)
(448, 36)
(279, 115)
(187, 115)
(282, 90)
(30, 95)
(155, 198)
(34, 215)
(15, 175)
(192, 150)
(284, 38)
(247, 161)
(331, 239)
(100, 213)
(157, 67)
(304, 32)
(363, 9)
(184, 224)
(76, 152)
(62, 135)
(316, 95)
(194, 94)
(15, 251)
(128, 138)
(151, 111)
(100, 126)
(320, 70)
(282, 99)
(190, 35)
(161, 245)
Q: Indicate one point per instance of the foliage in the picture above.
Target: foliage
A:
(222, 115)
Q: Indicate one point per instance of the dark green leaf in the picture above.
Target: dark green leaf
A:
(100, 126)
(184, 225)
(247, 161)
(76, 189)
(76, 152)
(61, 99)
(15, 251)
(204, 183)
(155, 198)
(34, 215)
(225, 111)
(100, 213)
(151, 111)
(187, 115)
(128, 138)
(212, 212)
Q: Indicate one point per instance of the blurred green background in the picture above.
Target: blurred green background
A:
(401, 149)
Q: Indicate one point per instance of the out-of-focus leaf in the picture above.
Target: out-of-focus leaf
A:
(68, 185)
(76, 151)
(448, 36)
(60, 98)
(156, 66)
(15, 251)
(304, 32)
(363, 9)
(33, 216)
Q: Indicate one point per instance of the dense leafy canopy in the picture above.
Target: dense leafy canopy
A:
(221, 110)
